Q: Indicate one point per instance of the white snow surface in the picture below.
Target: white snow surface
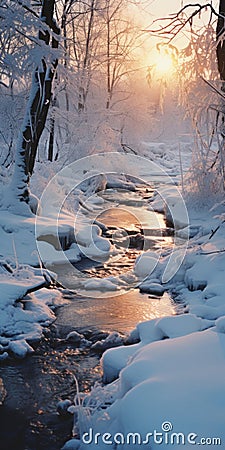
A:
(176, 372)
(172, 373)
(24, 316)
(145, 264)
(172, 156)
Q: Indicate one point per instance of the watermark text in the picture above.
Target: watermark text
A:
(165, 436)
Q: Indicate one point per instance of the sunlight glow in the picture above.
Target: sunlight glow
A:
(165, 59)
(163, 64)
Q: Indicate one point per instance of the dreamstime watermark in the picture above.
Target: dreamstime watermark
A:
(166, 436)
(77, 178)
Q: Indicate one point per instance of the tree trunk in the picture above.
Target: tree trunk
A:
(220, 50)
(64, 29)
(37, 109)
(52, 131)
(108, 62)
(85, 74)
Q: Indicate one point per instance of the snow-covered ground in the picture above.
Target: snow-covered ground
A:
(25, 311)
(174, 157)
(172, 379)
(60, 233)
(56, 235)
(169, 387)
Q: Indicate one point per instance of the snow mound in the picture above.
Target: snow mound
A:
(98, 284)
(151, 380)
(24, 311)
(113, 360)
(152, 288)
(156, 380)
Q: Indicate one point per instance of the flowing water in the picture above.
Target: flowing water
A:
(28, 417)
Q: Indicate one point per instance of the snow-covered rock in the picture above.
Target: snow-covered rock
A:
(24, 316)
(114, 339)
(152, 288)
(145, 264)
(88, 234)
(98, 284)
(175, 208)
(20, 348)
(72, 444)
(91, 243)
(62, 407)
(74, 337)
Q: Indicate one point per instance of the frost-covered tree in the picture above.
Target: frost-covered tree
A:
(101, 37)
(17, 39)
(39, 100)
(93, 77)
(201, 69)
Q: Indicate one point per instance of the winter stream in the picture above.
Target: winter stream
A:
(29, 419)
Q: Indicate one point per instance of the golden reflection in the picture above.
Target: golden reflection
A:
(120, 313)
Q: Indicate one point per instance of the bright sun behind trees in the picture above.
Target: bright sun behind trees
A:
(112, 224)
(92, 56)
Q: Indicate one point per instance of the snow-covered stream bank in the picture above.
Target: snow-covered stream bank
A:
(34, 386)
(168, 359)
(169, 387)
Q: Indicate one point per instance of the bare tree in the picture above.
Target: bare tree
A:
(86, 42)
(121, 38)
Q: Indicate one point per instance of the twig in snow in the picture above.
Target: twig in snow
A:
(213, 252)
(6, 266)
(36, 287)
(15, 254)
(181, 169)
(216, 229)
(126, 148)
